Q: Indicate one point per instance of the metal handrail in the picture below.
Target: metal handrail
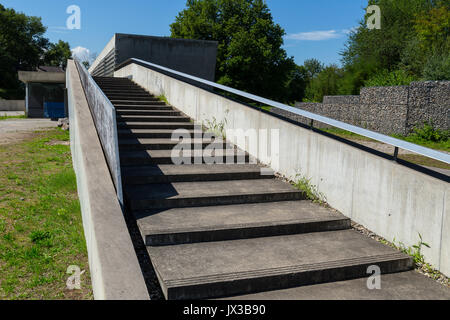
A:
(397, 143)
(102, 108)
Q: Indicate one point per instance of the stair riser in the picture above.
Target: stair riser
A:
(214, 200)
(148, 113)
(137, 97)
(152, 107)
(132, 98)
(160, 119)
(268, 283)
(150, 146)
(168, 160)
(156, 126)
(141, 180)
(245, 233)
(136, 103)
(159, 135)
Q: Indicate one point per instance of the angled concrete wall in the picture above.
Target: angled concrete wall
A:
(115, 270)
(390, 199)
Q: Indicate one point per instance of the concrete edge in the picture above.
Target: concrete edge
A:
(115, 270)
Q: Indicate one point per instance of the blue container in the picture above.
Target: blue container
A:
(54, 110)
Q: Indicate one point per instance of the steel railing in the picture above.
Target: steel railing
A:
(397, 143)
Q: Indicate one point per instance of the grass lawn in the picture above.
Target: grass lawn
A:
(413, 158)
(12, 117)
(41, 231)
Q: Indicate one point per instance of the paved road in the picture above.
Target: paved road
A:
(14, 130)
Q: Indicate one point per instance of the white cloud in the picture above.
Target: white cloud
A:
(318, 35)
(83, 54)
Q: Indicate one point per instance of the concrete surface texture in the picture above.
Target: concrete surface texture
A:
(12, 105)
(394, 201)
(104, 116)
(115, 271)
(406, 107)
(216, 230)
(195, 57)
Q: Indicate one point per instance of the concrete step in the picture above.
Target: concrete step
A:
(150, 133)
(131, 98)
(140, 175)
(156, 125)
(157, 105)
(120, 87)
(169, 144)
(199, 194)
(149, 101)
(155, 157)
(130, 112)
(225, 268)
(409, 285)
(152, 119)
(243, 221)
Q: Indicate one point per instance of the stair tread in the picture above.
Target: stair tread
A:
(167, 141)
(181, 220)
(125, 117)
(409, 285)
(164, 170)
(183, 190)
(188, 265)
(168, 153)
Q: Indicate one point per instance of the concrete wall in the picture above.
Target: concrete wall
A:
(387, 110)
(106, 50)
(390, 199)
(12, 105)
(195, 57)
(104, 116)
(115, 271)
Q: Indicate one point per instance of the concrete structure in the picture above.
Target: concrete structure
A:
(387, 110)
(12, 105)
(115, 271)
(195, 57)
(46, 85)
(391, 199)
(104, 116)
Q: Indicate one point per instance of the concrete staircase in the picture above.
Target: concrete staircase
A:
(225, 230)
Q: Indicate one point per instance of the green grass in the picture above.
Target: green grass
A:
(311, 191)
(413, 138)
(164, 99)
(41, 231)
(12, 117)
(346, 134)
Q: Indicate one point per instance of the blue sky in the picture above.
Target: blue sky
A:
(315, 28)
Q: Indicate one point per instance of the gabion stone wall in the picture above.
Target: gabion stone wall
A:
(387, 110)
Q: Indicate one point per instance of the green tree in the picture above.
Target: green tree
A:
(21, 46)
(57, 54)
(313, 67)
(326, 83)
(297, 84)
(249, 55)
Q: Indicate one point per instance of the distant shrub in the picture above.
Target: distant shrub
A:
(437, 68)
(393, 78)
(429, 133)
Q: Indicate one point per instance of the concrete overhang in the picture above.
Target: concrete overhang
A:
(42, 77)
